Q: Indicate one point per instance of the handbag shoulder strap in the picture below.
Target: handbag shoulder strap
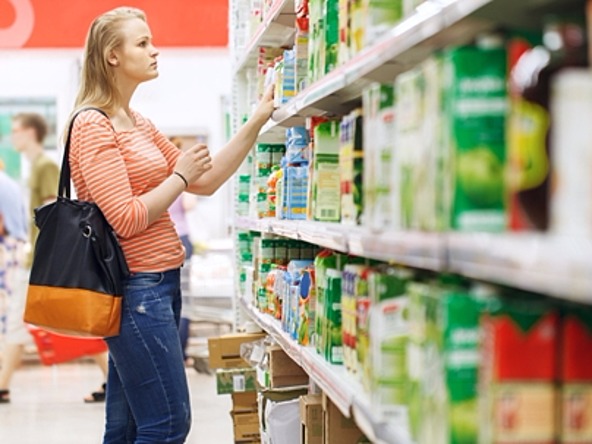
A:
(64, 187)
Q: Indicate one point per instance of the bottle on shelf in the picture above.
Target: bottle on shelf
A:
(564, 46)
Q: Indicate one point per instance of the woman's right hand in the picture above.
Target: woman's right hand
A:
(194, 162)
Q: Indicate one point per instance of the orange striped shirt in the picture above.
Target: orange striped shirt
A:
(113, 169)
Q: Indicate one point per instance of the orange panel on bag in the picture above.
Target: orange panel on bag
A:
(73, 311)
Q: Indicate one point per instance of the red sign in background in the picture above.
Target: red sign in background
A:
(64, 23)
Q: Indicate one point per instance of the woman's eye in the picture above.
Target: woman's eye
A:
(143, 44)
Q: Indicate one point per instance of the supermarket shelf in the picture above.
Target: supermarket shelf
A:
(415, 249)
(343, 390)
(554, 266)
(276, 30)
(433, 26)
(541, 263)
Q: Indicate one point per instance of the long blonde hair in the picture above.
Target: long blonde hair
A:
(97, 83)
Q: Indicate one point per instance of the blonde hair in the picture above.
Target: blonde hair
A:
(97, 83)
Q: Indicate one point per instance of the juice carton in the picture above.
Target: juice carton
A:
(316, 42)
(301, 54)
(352, 289)
(307, 307)
(295, 195)
(297, 140)
(324, 261)
(576, 376)
(333, 340)
(331, 17)
(476, 103)
(381, 16)
(444, 357)
(289, 76)
(518, 395)
(385, 372)
(408, 136)
(351, 163)
(379, 140)
(326, 177)
(344, 50)
(362, 325)
(357, 26)
(433, 211)
(425, 363)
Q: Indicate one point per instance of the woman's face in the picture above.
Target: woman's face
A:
(135, 59)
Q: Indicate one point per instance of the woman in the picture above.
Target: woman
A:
(134, 173)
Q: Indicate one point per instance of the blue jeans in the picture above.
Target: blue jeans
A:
(147, 392)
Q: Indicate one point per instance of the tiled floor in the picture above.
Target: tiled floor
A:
(47, 408)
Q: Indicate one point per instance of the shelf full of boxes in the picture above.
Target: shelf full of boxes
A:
(398, 140)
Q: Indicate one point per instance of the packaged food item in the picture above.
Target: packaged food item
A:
(326, 177)
(344, 50)
(307, 316)
(571, 208)
(381, 16)
(519, 373)
(351, 166)
(357, 31)
(385, 371)
(288, 79)
(576, 376)
(333, 339)
(316, 42)
(476, 104)
(324, 261)
(354, 287)
(444, 356)
(380, 172)
(331, 18)
(294, 195)
(297, 140)
(410, 147)
(530, 124)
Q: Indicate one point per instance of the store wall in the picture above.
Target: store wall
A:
(185, 98)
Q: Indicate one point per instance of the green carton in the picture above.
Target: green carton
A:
(476, 103)
(445, 346)
(236, 380)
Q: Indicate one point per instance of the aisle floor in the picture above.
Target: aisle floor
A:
(47, 407)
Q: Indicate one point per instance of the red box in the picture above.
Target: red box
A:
(55, 348)
(576, 376)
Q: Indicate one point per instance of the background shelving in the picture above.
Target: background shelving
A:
(542, 263)
(345, 392)
(558, 267)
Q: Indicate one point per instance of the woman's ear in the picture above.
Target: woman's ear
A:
(112, 59)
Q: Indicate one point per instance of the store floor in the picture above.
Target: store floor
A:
(47, 407)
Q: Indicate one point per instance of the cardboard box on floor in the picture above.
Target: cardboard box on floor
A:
(244, 402)
(224, 351)
(311, 419)
(337, 428)
(284, 372)
(246, 426)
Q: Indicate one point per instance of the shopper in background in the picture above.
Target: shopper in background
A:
(178, 211)
(13, 235)
(29, 131)
(134, 174)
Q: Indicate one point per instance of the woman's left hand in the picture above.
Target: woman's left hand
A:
(265, 108)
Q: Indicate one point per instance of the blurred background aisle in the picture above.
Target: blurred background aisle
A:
(47, 407)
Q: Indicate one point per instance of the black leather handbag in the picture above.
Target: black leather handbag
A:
(76, 283)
